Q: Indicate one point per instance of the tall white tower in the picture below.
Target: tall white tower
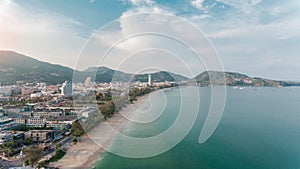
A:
(87, 82)
(66, 88)
(149, 80)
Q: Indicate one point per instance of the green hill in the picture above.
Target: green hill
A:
(17, 67)
(237, 79)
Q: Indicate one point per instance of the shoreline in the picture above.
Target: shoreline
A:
(96, 142)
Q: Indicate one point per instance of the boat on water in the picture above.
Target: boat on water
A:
(239, 87)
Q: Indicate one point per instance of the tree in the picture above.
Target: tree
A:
(33, 154)
(21, 127)
(77, 129)
(28, 141)
(119, 102)
(10, 144)
(75, 140)
(7, 151)
(108, 109)
(58, 145)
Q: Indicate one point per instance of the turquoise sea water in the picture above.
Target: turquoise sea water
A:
(260, 129)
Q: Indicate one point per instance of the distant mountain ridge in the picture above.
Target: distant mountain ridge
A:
(104, 74)
(17, 67)
(237, 79)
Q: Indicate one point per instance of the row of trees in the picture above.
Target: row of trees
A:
(117, 102)
(108, 109)
(77, 129)
(134, 93)
(33, 154)
(101, 96)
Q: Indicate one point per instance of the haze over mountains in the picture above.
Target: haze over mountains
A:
(17, 67)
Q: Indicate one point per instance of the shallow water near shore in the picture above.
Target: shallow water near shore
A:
(260, 128)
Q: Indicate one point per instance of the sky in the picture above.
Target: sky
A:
(255, 37)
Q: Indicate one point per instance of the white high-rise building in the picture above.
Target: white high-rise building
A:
(149, 80)
(66, 88)
(87, 82)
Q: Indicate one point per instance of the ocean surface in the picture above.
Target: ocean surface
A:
(260, 129)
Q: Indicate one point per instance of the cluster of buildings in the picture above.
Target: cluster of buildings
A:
(88, 86)
(38, 117)
(45, 123)
(36, 136)
(51, 115)
(54, 110)
(23, 90)
(43, 114)
(6, 136)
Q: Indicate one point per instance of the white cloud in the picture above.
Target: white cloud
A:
(246, 38)
(42, 34)
(144, 6)
(139, 2)
(145, 9)
(196, 18)
(245, 6)
(262, 42)
(244, 45)
(239, 4)
(166, 29)
(197, 4)
(260, 49)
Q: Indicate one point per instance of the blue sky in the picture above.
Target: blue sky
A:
(256, 37)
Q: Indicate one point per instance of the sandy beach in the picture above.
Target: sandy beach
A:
(95, 143)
